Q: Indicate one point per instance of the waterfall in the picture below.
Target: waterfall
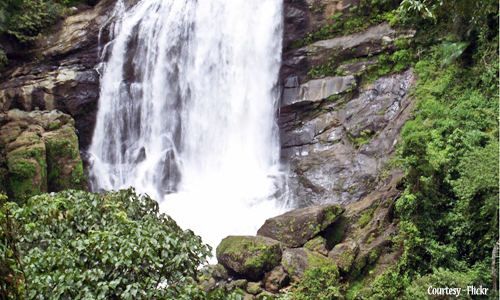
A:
(187, 111)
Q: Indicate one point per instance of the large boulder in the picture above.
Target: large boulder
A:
(39, 153)
(296, 227)
(249, 256)
(26, 164)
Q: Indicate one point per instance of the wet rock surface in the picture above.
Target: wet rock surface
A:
(336, 148)
(296, 227)
(337, 130)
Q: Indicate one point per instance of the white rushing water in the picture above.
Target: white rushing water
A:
(187, 111)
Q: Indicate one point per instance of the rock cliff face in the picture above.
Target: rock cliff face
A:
(61, 72)
(338, 127)
(48, 97)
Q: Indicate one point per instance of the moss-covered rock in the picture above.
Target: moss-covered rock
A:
(296, 227)
(249, 256)
(209, 285)
(254, 288)
(37, 156)
(237, 284)
(27, 170)
(344, 254)
(218, 272)
(297, 261)
(65, 169)
(248, 297)
(317, 244)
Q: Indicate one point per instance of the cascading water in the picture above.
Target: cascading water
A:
(187, 111)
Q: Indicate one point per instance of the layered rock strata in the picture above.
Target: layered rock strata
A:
(338, 129)
(61, 71)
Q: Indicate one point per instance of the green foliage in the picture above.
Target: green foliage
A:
(54, 125)
(366, 217)
(27, 18)
(445, 278)
(364, 137)
(78, 245)
(448, 212)
(10, 271)
(3, 60)
(319, 283)
(456, 124)
(367, 14)
(396, 62)
(451, 51)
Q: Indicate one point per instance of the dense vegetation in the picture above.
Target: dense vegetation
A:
(79, 245)
(448, 214)
(24, 20)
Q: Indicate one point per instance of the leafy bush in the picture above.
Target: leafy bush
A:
(79, 245)
(27, 18)
(3, 60)
(440, 278)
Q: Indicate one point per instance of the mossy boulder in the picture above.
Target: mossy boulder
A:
(248, 297)
(249, 256)
(64, 165)
(39, 153)
(218, 272)
(297, 261)
(344, 254)
(237, 284)
(27, 169)
(317, 244)
(296, 227)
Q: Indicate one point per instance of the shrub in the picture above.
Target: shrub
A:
(79, 245)
(319, 283)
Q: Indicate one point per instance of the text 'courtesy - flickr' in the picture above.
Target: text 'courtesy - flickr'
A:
(471, 290)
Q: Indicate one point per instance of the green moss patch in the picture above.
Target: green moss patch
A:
(249, 256)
